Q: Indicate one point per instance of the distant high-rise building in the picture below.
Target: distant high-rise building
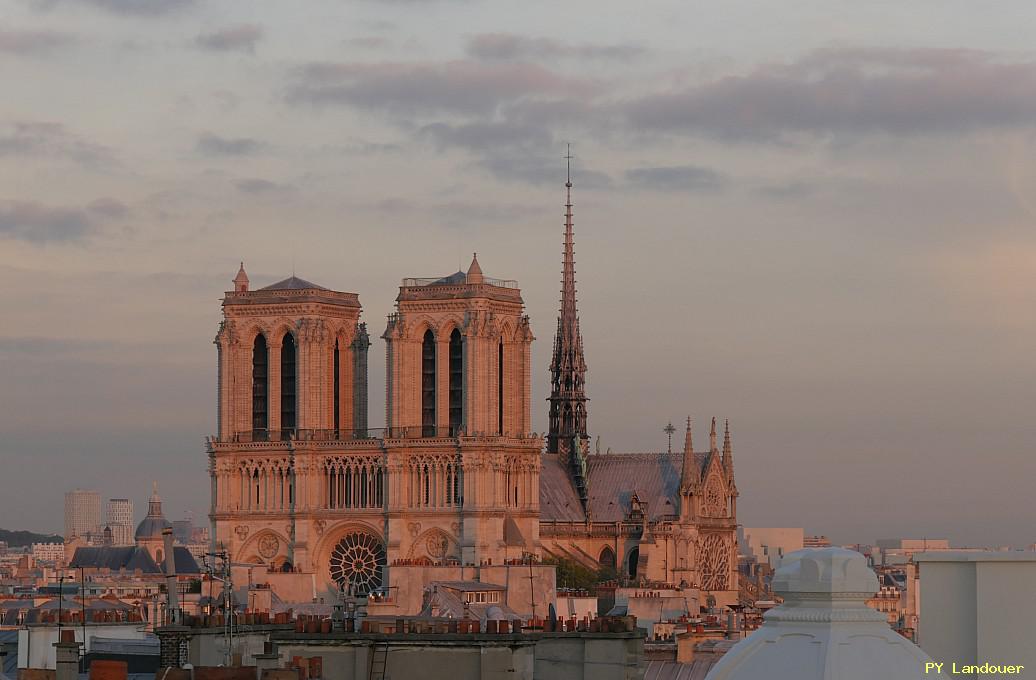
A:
(82, 513)
(120, 520)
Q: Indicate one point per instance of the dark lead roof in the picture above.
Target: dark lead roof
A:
(614, 478)
(292, 283)
(451, 280)
(131, 558)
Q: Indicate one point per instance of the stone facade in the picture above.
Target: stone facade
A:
(655, 519)
(300, 483)
(456, 479)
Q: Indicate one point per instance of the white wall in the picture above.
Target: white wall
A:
(36, 643)
(977, 607)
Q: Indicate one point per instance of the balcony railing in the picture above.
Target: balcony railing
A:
(413, 432)
(417, 282)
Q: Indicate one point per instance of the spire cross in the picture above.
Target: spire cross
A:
(669, 430)
(568, 167)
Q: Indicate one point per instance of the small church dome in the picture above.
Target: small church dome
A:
(151, 527)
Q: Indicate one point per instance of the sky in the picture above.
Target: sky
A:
(814, 218)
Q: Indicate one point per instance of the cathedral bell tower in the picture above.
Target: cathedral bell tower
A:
(458, 350)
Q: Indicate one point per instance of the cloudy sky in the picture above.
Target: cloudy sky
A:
(814, 218)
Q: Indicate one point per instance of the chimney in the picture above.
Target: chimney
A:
(172, 596)
(66, 654)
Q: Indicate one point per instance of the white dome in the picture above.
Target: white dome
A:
(824, 630)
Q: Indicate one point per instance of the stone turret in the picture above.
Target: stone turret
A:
(689, 471)
(474, 274)
(824, 630)
(241, 280)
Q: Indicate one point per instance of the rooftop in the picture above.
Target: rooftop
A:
(293, 283)
(456, 279)
(975, 556)
(470, 586)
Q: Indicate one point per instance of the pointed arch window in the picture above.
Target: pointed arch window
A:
(607, 558)
(288, 395)
(500, 389)
(428, 385)
(260, 394)
(337, 388)
(456, 381)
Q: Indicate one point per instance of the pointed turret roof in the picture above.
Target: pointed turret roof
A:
(241, 277)
(474, 274)
(689, 470)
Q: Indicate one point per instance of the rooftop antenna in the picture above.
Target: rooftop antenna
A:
(532, 588)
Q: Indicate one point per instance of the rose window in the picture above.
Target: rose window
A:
(437, 545)
(714, 558)
(357, 560)
(268, 546)
(715, 505)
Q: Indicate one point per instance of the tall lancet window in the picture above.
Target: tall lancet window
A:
(337, 388)
(287, 385)
(500, 389)
(456, 381)
(428, 385)
(260, 394)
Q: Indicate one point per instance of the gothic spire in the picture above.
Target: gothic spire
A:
(689, 469)
(567, 434)
(712, 437)
(728, 449)
(569, 317)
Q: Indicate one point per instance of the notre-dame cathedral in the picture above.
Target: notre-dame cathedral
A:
(456, 485)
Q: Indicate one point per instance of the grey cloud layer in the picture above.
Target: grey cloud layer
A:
(36, 223)
(511, 47)
(44, 139)
(850, 91)
(481, 136)
(675, 178)
(240, 38)
(507, 112)
(33, 42)
(255, 185)
(142, 8)
(214, 145)
(460, 87)
(827, 92)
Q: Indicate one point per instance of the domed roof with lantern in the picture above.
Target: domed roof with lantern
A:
(151, 527)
